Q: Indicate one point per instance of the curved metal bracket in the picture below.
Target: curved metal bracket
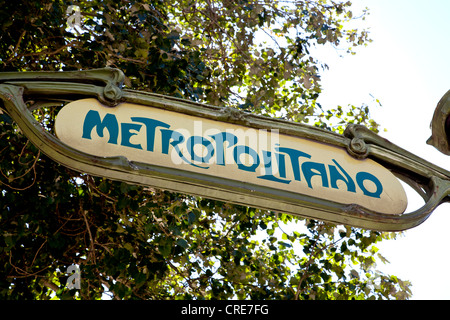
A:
(440, 125)
(105, 84)
(430, 181)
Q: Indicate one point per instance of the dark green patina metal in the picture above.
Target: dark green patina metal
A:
(22, 92)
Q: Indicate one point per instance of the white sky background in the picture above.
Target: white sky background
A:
(406, 67)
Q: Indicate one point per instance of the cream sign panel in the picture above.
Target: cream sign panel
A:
(254, 156)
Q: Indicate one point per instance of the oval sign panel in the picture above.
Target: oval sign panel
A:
(224, 150)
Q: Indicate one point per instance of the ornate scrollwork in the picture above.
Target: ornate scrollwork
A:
(440, 126)
(113, 80)
(232, 114)
(357, 146)
(429, 180)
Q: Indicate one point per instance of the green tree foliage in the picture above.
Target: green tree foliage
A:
(141, 243)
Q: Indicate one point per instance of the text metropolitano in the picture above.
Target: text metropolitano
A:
(203, 151)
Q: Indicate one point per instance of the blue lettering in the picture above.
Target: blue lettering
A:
(220, 139)
(335, 176)
(202, 150)
(294, 155)
(238, 150)
(109, 122)
(151, 125)
(170, 137)
(281, 164)
(194, 140)
(311, 169)
(267, 158)
(126, 134)
(174, 138)
(361, 177)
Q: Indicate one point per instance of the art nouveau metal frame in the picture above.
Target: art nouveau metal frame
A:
(17, 89)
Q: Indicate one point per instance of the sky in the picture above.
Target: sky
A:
(406, 67)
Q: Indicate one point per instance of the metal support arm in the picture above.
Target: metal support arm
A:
(429, 180)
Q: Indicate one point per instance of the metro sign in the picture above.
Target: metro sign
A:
(246, 155)
(222, 153)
